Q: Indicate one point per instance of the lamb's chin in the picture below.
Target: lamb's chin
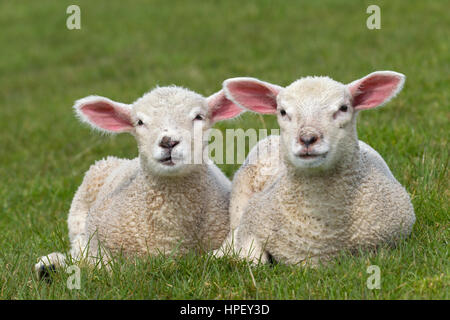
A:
(173, 169)
(167, 168)
(309, 162)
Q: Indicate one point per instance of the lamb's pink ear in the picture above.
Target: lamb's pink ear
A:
(375, 89)
(104, 114)
(221, 108)
(252, 94)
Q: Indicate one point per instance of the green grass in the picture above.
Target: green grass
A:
(123, 50)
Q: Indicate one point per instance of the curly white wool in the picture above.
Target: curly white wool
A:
(160, 201)
(329, 191)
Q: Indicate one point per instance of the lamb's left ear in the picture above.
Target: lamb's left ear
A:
(375, 89)
(104, 114)
(221, 108)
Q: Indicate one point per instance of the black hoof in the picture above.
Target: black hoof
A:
(45, 273)
(271, 259)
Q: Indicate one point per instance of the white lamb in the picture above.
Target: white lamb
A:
(328, 191)
(163, 200)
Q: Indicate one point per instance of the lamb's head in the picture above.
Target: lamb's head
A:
(169, 124)
(317, 115)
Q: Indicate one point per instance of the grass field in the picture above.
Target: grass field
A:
(124, 49)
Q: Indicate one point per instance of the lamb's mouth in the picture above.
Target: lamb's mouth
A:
(310, 156)
(167, 161)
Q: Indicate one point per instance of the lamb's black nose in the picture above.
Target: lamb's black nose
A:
(308, 139)
(168, 143)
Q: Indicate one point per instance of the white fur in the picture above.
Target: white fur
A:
(143, 206)
(311, 208)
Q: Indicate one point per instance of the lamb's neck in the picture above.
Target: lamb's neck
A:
(325, 191)
(197, 173)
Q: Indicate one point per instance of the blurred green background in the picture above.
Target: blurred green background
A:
(126, 48)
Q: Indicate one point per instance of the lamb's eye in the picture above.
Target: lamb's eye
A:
(198, 117)
(140, 123)
(343, 108)
(283, 112)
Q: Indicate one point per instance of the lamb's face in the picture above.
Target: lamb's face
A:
(317, 115)
(316, 119)
(169, 127)
(169, 124)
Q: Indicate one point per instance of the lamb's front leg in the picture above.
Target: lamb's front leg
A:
(77, 217)
(77, 225)
(48, 264)
(240, 194)
(245, 245)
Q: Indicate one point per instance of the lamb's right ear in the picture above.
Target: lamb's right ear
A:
(104, 114)
(252, 94)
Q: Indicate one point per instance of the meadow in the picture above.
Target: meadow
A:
(124, 49)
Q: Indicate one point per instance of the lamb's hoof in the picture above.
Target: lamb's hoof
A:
(271, 260)
(45, 272)
(218, 253)
(47, 265)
